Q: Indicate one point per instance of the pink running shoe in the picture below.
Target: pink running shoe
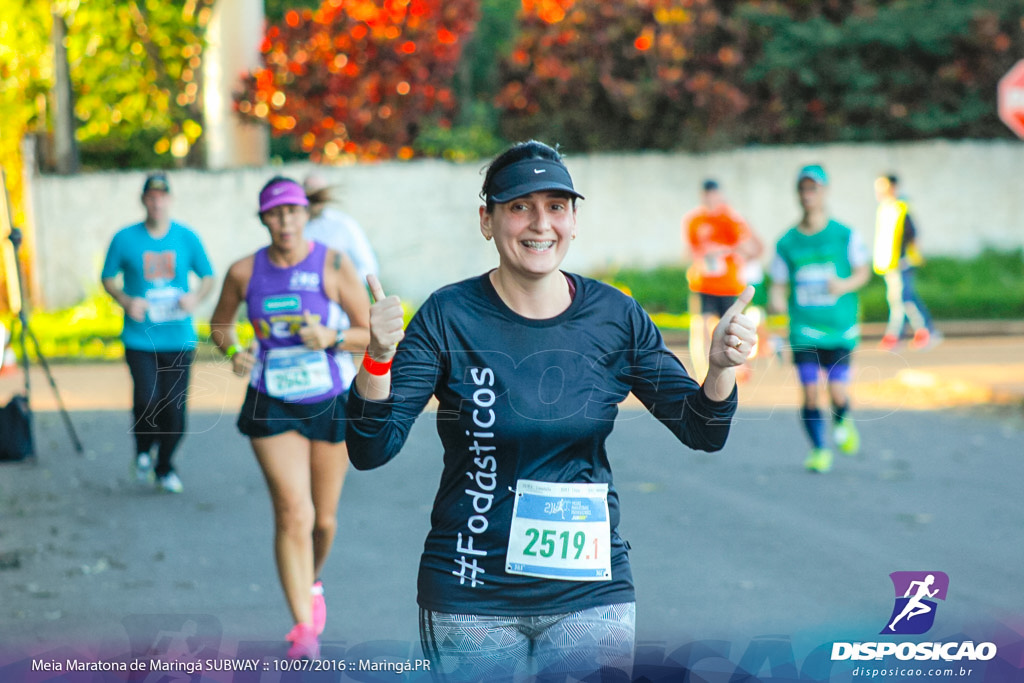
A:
(304, 642)
(319, 608)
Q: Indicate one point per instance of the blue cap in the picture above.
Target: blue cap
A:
(813, 172)
(156, 182)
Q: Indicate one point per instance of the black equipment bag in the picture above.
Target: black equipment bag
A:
(16, 430)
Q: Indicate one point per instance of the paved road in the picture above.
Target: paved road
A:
(730, 546)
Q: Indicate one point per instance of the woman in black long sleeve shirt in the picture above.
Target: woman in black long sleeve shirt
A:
(523, 568)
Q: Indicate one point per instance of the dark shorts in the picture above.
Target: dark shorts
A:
(810, 360)
(715, 304)
(262, 416)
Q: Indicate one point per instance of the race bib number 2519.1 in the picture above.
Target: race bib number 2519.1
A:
(560, 531)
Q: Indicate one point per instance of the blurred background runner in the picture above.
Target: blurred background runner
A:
(720, 244)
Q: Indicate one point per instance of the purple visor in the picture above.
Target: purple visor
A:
(282, 192)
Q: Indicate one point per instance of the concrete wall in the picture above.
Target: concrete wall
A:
(421, 216)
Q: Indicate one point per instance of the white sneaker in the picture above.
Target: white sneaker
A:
(170, 483)
(143, 468)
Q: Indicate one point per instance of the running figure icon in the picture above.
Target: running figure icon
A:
(915, 606)
(917, 595)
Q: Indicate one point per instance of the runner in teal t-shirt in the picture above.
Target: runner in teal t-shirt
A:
(819, 265)
(154, 259)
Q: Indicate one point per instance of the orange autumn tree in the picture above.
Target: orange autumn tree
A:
(359, 78)
(629, 74)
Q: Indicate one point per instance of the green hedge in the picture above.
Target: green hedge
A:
(988, 286)
(659, 290)
(91, 331)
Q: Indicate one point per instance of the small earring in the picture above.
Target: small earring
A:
(574, 236)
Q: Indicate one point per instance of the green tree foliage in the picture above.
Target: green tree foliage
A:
(592, 74)
(860, 70)
(135, 75)
(631, 74)
(360, 78)
(665, 74)
(274, 10)
(474, 132)
(490, 42)
(136, 67)
(25, 76)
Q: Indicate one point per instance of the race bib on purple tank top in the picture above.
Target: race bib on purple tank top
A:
(278, 300)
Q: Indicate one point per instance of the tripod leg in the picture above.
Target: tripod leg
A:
(53, 385)
(24, 349)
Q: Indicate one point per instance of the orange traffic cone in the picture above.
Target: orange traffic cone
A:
(8, 362)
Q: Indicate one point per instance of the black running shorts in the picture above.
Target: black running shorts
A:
(263, 416)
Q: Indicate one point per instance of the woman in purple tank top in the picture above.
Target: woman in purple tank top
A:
(295, 292)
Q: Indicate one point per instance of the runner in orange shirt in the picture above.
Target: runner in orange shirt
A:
(720, 244)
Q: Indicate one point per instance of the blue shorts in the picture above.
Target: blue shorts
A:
(810, 361)
(262, 416)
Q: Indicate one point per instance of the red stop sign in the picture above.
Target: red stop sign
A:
(1011, 98)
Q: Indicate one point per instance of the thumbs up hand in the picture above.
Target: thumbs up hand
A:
(314, 335)
(386, 322)
(734, 336)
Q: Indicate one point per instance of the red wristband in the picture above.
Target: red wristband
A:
(375, 367)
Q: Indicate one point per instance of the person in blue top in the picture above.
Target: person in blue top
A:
(154, 260)
(523, 570)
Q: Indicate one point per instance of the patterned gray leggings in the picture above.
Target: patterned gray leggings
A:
(469, 647)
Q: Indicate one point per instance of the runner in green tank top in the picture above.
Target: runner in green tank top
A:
(819, 266)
